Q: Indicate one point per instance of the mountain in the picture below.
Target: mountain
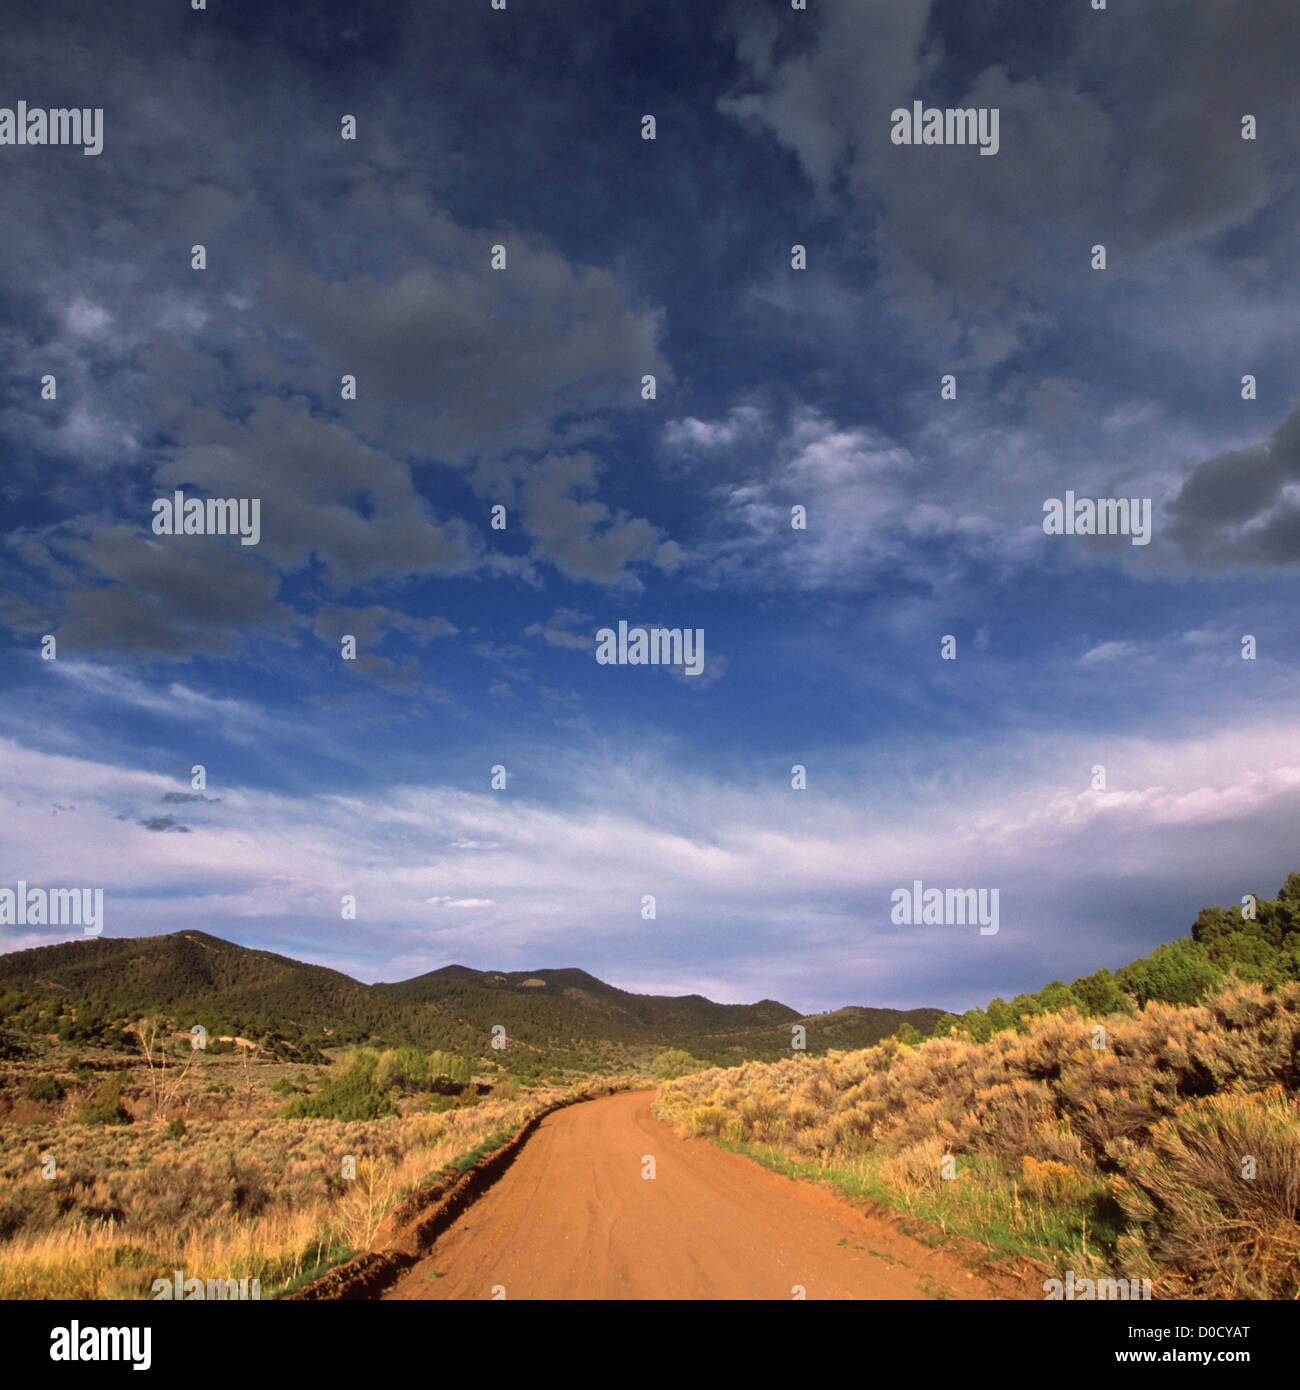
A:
(597, 1000)
(197, 978)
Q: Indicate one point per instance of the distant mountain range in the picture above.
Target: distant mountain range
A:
(196, 978)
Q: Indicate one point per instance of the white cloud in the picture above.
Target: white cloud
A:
(1108, 651)
(806, 875)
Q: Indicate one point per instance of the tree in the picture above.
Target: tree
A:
(152, 1033)
(1001, 1015)
(1056, 997)
(350, 1096)
(1099, 994)
(1177, 972)
(673, 1062)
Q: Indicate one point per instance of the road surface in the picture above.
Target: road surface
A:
(573, 1218)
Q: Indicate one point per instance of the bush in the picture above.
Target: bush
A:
(674, 1063)
(707, 1119)
(44, 1088)
(406, 1068)
(352, 1096)
(1154, 1127)
(448, 1072)
(1222, 1233)
(1177, 972)
(105, 1107)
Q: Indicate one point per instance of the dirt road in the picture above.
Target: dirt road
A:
(573, 1218)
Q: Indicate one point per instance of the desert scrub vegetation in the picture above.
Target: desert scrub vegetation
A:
(1172, 1151)
(262, 1197)
(1224, 944)
(673, 1062)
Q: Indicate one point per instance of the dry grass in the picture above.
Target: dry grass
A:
(1131, 1153)
(261, 1197)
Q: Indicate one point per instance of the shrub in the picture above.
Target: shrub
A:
(448, 1072)
(708, 1119)
(1056, 1182)
(674, 1063)
(44, 1088)
(1222, 1233)
(1152, 1127)
(406, 1068)
(105, 1107)
(351, 1096)
(918, 1168)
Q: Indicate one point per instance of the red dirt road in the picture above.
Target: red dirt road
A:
(573, 1218)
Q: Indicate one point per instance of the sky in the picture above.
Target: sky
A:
(775, 388)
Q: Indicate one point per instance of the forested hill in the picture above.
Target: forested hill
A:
(193, 977)
(86, 990)
(1257, 941)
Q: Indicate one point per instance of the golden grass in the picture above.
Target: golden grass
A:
(257, 1198)
(1133, 1153)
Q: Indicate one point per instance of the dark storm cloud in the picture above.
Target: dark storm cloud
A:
(170, 597)
(312, 475)
(164, 372)
(163, 824)
(371, 624)
(577, 533)
(1130, 137)
(489, 358)
(1233, 509)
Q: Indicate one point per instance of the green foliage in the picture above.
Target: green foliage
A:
(354, 1095)
(1056, 997)
(44, 1088)
(975, 1024)
(1100, 994)
(105, 1107)
(176, 1128)
(1177, 972)
(1265, 950)
(907, 1034)
(671, 1064)
(406, 1068)
(10, 1046)
(448, 1072)
(1001, 1015)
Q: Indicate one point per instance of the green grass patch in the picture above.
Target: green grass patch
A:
(981, 1203)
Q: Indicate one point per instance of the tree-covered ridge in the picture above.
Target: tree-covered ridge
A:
(1263, 948)
(90, 990)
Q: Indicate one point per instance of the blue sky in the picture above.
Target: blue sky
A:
(775, 388)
